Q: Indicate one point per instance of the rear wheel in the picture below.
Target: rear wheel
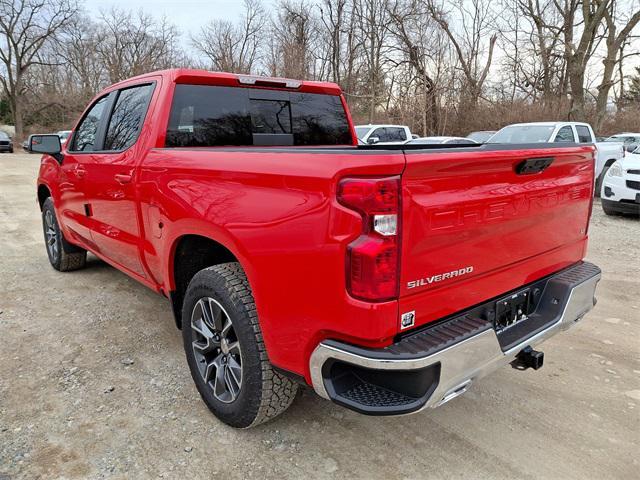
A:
(225, 351)
(63, 256)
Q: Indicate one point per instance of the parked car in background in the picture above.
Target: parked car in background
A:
(383, 134)
(441, 140)
(630, 141)
(563, 132)
(64, 135)
(621, 186)
(481, 136)
(6, 143)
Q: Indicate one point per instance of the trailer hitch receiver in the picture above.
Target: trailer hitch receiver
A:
(528, 358)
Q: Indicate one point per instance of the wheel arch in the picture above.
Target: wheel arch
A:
(189, 254)
(43, 193)
(610, 162)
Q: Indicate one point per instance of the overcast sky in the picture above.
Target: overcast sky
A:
(187, 15)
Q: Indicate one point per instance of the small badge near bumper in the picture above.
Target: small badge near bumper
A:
(408, 320)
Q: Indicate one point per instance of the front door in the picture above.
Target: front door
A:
(73, 209)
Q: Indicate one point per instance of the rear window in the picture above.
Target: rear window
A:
(210, 116)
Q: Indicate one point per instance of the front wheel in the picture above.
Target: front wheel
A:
(225, 350)
(610, 211)
(63, 256)
(600, 179)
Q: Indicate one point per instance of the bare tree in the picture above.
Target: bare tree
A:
(130, 45)
(372, 17)
(234, 47)
(293, 32)
(27, 26)
(615, 39)
(418, 41)
(581, 20)
(473, 53)
(78, 48)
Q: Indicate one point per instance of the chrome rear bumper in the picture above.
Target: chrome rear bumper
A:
(459, 364)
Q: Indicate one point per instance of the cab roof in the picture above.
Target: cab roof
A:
(205, 77)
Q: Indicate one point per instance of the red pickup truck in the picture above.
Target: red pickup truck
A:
(388, 278)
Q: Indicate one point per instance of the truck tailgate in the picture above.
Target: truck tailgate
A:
(474, 228)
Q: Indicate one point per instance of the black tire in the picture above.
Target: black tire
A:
(609, 211)
(63, 256)
(262, 393)
(600, 179)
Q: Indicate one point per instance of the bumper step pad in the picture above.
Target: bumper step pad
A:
(430, 362)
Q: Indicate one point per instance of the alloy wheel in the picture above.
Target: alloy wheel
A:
(51, 236)
(216, 349)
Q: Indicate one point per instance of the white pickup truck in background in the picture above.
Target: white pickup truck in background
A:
(570, 132)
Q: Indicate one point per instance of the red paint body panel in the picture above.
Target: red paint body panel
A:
(276, 211)
(469, 211)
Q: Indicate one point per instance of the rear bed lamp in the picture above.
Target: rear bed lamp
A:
(268, 81)
(372, 259)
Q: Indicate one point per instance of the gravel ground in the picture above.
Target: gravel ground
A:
(94, 384)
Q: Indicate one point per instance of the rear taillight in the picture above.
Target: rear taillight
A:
(373, 258)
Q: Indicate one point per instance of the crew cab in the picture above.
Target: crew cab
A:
(571, 132)
(387, 278)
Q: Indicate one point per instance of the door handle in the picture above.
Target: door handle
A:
(80, 172)
(123, 178)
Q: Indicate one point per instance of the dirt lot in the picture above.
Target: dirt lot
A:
(93, 384)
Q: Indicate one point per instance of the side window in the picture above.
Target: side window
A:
(584, 135)
(127, 117)
(85, 137)
(395, 134)
(381, 133)
(565, 134)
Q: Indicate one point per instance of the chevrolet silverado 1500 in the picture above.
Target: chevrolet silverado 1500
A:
(387, 278)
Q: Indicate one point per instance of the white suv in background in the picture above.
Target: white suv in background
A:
(383, 134)
(621, 186)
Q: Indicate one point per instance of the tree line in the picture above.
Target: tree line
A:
(439, 66)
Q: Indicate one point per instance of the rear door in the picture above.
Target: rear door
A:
(110, 188)
(474, 228)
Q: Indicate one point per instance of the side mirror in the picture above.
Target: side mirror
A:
(630, 147)
(373, 140)
(49, 144)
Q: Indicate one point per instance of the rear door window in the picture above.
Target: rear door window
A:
(565, 134)
(584, 134)
(127, 117)
(395, 134)
(209, 116)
